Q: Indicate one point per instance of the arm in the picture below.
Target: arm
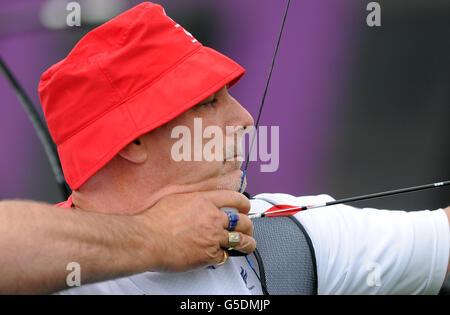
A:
(38, 241)
(369, 251)
(447, 212)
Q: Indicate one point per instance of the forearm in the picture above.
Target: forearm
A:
(447, 212)
(38, 241)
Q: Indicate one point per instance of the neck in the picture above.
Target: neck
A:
(117, 189)
(128, 202)
(112, 200)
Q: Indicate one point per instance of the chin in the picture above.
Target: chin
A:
(231, 181)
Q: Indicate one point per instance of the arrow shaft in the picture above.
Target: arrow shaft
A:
(275, 213)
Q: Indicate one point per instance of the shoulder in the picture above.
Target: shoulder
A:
(68, 204)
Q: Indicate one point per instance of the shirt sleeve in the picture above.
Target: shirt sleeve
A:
(370, 251)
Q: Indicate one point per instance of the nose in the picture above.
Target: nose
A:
(239, 116)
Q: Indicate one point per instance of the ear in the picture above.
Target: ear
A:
(134, 152)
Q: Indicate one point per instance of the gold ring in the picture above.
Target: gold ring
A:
(234, 238)
(225, 258)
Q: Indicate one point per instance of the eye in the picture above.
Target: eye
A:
(209, 103)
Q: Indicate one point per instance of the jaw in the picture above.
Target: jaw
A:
(230, 180)
(139, 191)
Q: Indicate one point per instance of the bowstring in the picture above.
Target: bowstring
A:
(244, 174)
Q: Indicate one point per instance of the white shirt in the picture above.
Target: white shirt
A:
(358, 251)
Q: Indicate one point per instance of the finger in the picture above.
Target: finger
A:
(244, 224)
(229, 198)
(221, 257)
(247, 243)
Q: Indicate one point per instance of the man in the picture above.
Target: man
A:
(112, 107)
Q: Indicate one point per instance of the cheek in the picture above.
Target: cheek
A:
(187, 139)
(182, 168)
(200, 133)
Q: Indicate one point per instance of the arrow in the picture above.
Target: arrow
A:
(287, 210)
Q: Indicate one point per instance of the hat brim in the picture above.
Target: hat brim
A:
(196, 77)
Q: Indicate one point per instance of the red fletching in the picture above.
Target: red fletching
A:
(282, 211)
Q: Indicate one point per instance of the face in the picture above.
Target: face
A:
(219, 116)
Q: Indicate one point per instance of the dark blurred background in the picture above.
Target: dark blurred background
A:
(361, 109)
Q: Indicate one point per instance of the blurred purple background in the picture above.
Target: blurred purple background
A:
(360, 109)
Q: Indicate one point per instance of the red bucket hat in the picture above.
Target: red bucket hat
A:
(123, 79)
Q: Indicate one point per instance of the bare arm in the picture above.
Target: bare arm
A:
(38, 241)
(447, 212)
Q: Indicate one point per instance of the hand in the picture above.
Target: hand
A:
(187, 231)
